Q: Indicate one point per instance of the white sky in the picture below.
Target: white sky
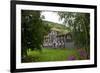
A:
(51, 16)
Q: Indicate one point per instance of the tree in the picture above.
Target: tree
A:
(32, 31)
(79, 24)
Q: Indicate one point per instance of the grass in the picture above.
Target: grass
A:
(49, 54)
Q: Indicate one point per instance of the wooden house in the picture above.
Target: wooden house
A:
(58, 39)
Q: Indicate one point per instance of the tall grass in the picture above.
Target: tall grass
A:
(49, 54)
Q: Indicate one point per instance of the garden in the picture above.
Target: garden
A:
(49, 54)
(35, 25)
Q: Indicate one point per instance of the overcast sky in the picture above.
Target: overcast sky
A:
(51, 16)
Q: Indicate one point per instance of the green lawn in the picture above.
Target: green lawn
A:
(49, 54)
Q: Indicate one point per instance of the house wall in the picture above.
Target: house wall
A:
(69, 45)
(52, 40)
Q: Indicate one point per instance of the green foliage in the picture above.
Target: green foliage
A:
(56, 25)
(32, 30)
(61, 28)
(79, 24)
(49, 54)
